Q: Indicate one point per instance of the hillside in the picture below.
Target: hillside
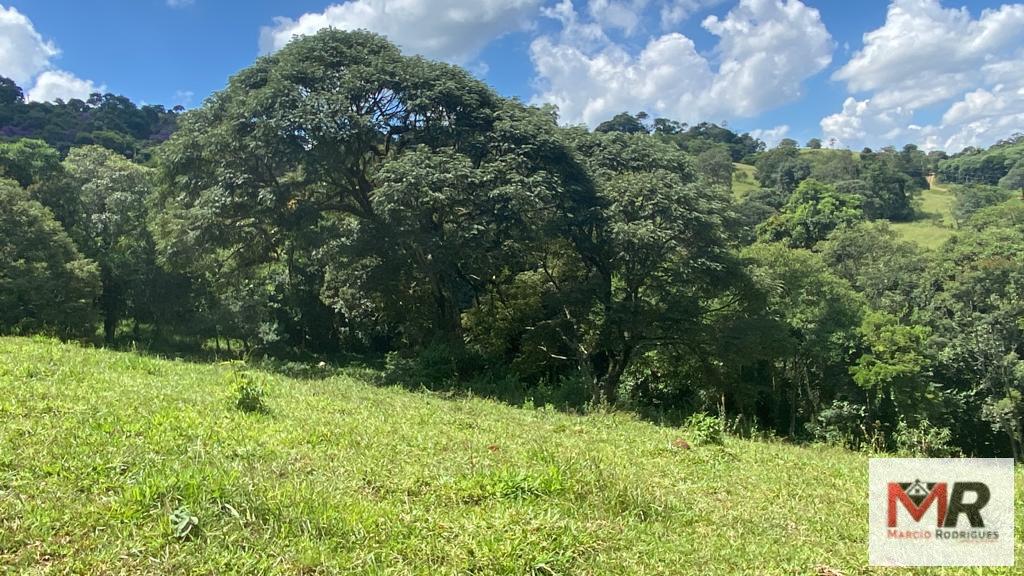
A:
(935, 224)
(744, 179)
(100, 448)
(986, 166)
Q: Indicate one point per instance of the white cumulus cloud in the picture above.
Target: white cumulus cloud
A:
(25, 56)
(59, 85)
(771, 136)
(765, 50)
(674, 12)
(451, 30)
(927, 55)
(23, 51)
(622, 14)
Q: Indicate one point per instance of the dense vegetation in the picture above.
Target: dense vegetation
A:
(1001, 164)
(106, 120)
(118, 463)
(339, 199)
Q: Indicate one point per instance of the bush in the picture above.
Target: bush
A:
(924, 440)
(571, 392)
(436, 366)
(249, 392)
(841, 424)
(704, 429)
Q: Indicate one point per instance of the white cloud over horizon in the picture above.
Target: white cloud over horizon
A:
(765, 50)
(451, 30)
(938, 75)
(608, 56)
(925, 56)
(52, 85)
(27, 58)
(23, 51)
(771, 136)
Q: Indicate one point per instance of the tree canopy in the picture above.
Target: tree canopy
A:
(106, 120)
(46, 285)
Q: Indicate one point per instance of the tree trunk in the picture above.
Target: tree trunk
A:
(108, 305)
(792, 413)
(109, 326)
(608, 369)
(610, 386)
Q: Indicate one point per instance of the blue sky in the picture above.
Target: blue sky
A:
(941, 74)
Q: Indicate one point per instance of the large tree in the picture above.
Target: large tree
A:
(811, 213)
(338, 179)
(782, 168)
(28, 161)
(819, 313)
(972, 297)
(879, 264)
(108, 222)
(653, 279)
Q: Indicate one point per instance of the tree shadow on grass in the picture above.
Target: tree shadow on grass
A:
(438, 376)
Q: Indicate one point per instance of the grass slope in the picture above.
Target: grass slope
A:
(744, 180)
(936, 224)
(98, 448)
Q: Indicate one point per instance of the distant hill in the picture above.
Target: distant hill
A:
(933, 196)
(107, 120)
(984, 166)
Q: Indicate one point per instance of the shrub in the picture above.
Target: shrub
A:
(436, 366)
(924, 440)
(249, 391)
(841, 424)
(704, 429)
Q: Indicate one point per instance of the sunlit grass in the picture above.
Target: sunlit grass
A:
(98, 450)
(744, 180)
(935, 224)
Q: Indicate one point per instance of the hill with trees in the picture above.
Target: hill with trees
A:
(1001, 164)
(107, 120)
(339, 199)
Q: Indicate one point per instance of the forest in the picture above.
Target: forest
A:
(341, 201)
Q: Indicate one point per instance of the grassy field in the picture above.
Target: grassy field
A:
(744, 180)
(99, 449)
(936, 224)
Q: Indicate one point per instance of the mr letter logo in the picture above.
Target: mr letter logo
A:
(962, 515)
(917, 498)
